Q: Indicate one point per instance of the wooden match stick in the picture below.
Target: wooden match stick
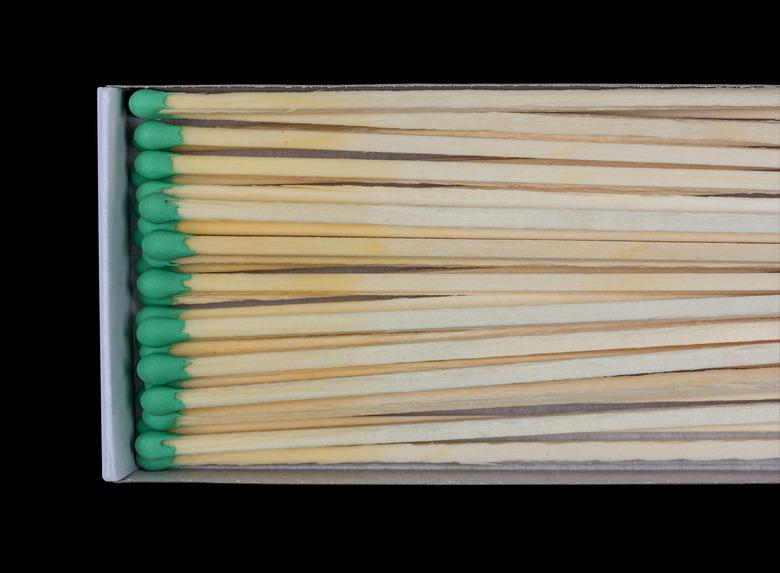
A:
(742, 113)
(487, 453)
(161, 165)
(153, 103)
(159, 369)
(158, 135)
(161, 284)
(163, 331)
(460, 197)
(168, 246)
(569, 127)
(155, 445)
(700, 385)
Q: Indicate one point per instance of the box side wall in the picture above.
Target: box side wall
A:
(116, 364)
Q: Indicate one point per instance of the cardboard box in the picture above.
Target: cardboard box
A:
(117, 380)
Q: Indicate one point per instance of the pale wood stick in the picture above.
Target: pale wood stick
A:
(448, 318)
(417, 250)
(382, 369)
(744, 113)
(433, 283)
(451, 350)
(211, 298)
(317, 423)
(478, 100)
(266, 228)
(217, 137)
(701, 385)
(479, 429)
(468, 265)
(468, 172)
(491, 453)
(536, 126)
(470, 197)
(221, 347)
(428, 302)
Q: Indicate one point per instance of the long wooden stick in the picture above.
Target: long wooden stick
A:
(743, 113)
(157, 283)
(700, 385)
(463, 249)
(535, 126)
(476, 99)
(156, 135)
(265, 228)
(490, 453)
(477, 429)
(418, 320)
(155, 164)
(470, 197)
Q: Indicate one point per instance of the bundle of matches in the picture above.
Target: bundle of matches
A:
(458, 276)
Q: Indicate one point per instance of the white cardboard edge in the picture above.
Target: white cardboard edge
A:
(116, 382)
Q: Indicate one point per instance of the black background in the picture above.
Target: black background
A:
(394, 44)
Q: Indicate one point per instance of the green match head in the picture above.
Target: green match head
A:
(159, 208)
(151, 187)
(153, 263)
(137, 179)
(150, 445)
(148, 103)
(162, 400)
(149, 350)
(161, 369)
(148, 301)
(155, 465)
(141, 426)
(158, 331)
(145, 227)
(155, 164)
(142, 265)
(138, 236)
(161, 422)
(166, 246)
(157, 311)
(159, 283)
(157, 135)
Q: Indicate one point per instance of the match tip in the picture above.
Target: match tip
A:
(137, 179)
(138, 236)
(159, 208)
(158, 370)
(149, 350)
(145, 227)
(157, 135)
(151, 262)
(161, 400)
(155, 164)
(150, 445)
(147, 103)
(157, 311)
(148, 301)
(141, 265)
(155, 465)
(151, 187)
(166, 246)
(160, 331)
(141, 426)
(162, 422)
(159, 283)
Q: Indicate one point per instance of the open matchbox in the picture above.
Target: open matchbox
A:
(118, 354)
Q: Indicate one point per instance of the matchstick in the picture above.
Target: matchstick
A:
(486, 453)
(297, 229)
(161, 284)
(163, 331)
(156, 135)
(460, 197)
(701, 385)
(161, 164)
(157, 369)
(544, 126)
(743, 113)
(153, 103)
(169, 246)
(155, 445)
